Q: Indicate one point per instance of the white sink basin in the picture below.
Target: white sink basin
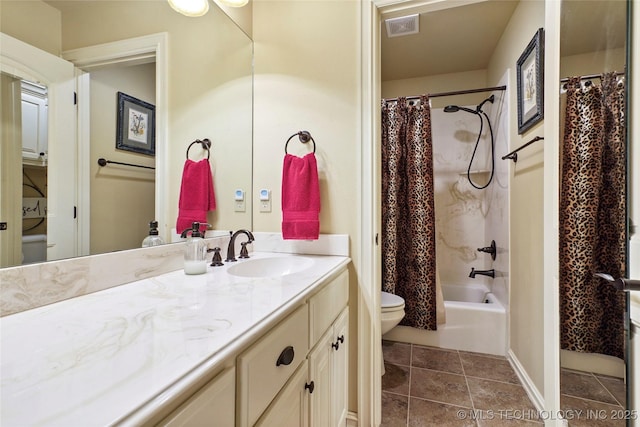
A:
(270, 267)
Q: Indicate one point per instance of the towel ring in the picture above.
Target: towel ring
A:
(206, 145)
(304, 137)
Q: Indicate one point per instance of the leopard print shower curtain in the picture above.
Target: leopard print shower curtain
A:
(408, 219)
(593, 217)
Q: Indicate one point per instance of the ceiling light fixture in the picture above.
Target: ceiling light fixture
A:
(190, 7)
(234, 3)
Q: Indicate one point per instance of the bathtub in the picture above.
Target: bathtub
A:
(475, 321)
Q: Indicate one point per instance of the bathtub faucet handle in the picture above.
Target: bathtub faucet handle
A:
(491, 249)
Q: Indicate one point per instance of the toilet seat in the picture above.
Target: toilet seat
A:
(391, 302)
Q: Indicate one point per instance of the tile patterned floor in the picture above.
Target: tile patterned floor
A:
(427, 386)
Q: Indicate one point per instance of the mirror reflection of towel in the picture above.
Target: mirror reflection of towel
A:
(197, 196)
(300, 198)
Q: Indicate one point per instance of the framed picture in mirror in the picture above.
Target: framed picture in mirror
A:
(530, 82)
(136, 124)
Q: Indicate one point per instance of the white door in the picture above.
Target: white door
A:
(25, 61)
(10, 172)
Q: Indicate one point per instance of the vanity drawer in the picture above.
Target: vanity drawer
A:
(267, 365)
(325, 306)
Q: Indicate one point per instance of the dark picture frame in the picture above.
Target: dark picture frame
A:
(136, 125)
(530, 82)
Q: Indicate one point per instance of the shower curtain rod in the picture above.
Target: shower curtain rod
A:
(456, 92)
(590, 76)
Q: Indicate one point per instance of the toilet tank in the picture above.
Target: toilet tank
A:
(34, 248)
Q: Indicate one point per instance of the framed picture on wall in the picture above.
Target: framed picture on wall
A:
(530, 81)
(136, 125)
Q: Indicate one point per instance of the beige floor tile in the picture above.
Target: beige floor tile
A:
(498, 396)
(436, 359)
(616, 387)
(490, 368)
(585, 386)
(588, 413)
(396, 353)
(440, 386)
(396, 379)
(394, 410)
(423, 413)
(509, 418)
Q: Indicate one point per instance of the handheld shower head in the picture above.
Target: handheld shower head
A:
(456, 108)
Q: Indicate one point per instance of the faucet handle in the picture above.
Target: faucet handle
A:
(217, 258)
(244, 253)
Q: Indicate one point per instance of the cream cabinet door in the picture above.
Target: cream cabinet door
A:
(329, 371)
(290, 408)
(212, 405)
(340, 370)
(320, 374)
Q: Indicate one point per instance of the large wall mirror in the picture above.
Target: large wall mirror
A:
(593, 205)
(203, 91)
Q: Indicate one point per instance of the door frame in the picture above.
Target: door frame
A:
(370, 38)
(128, 51)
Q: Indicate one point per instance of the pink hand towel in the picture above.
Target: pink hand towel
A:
(300, 198)
(197, 196)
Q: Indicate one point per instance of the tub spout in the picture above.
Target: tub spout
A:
(489, 273)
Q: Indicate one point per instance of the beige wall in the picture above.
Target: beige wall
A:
(209, 90)
(33, 22)
(526, 202)
(122, 197)
(242, 16)
(439, 83)
(307, 78)
(207, 96)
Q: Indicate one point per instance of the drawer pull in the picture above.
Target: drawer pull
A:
(286, 357)
(310, 387)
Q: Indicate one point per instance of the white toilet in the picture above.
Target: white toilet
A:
(392, 312)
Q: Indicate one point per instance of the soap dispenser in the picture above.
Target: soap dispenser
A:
(152, 239)
(195, 250)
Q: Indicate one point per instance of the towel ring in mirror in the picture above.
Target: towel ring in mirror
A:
(304, 137)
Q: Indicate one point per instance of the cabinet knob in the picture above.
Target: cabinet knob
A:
(339, 340)
(286, 356)
(310, 386)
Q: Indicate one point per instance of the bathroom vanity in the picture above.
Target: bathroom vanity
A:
(259, 342)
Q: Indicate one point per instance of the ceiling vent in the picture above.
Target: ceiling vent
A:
(403, 26)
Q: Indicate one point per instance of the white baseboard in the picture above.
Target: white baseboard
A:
(532, 391)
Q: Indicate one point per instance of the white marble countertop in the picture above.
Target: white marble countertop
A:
(114, 356)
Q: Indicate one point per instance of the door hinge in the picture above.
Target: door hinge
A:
(376, 239)
(75, 98)
(75, 212)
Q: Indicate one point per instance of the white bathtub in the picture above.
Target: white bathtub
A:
(475, 321)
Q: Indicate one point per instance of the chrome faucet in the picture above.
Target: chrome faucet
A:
(488, 273)
(231, 250)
